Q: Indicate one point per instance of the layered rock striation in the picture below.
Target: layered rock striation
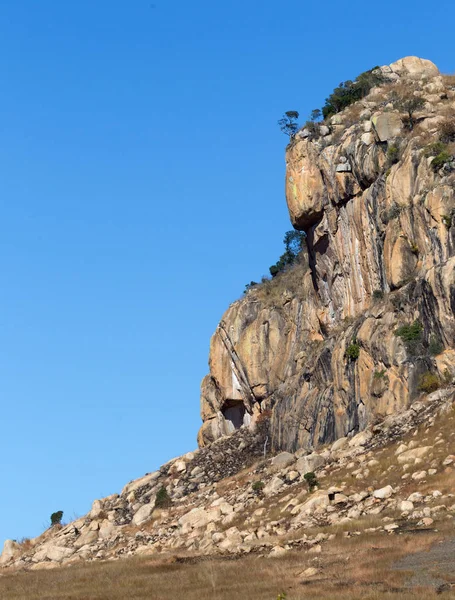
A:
(358, 328)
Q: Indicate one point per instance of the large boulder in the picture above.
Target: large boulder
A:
(282, 460)
(144, 513)
(415, 67)
(11, 549)
(387, 126)
(309, 464)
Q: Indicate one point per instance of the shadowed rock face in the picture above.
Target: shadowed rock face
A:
(380, 247)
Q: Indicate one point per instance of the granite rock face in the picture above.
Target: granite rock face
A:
(316, 349)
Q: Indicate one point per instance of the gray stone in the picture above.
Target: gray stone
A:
(339, 444)
(143, 514)
(86, 538)
(383, 493)
(343, 168)
(58, 553)
(282, 460)
(387, 126)
(309, 464)
(11, 549)
(367, 138)
(361, 439)
(274, 486)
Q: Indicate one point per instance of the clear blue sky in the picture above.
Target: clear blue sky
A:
(141, 188)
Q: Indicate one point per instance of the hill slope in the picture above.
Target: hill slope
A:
(342, 367)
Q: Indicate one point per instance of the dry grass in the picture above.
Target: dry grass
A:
(350, 569)
(351, 114)
(449, 80)
(290, 283)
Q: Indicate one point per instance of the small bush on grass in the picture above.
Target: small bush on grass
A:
(393, 155)
(258, 486)
(162, 499)
(312, 480)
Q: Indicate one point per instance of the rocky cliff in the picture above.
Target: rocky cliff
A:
(360, 331)
(364, 324)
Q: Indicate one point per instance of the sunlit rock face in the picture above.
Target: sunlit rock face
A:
(316, 351)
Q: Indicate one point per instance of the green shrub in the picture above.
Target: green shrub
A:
(56, 518)
(294, 242)
(162, 499)
(393, 155)
(379, 374)
(447, 377)
(440, 160)
(393, 212)
(411, 335)
(435, 346)
(429, 382)
(349, 92)
(353, 350)
(248, 286)
(434, 149)
(258, 486)
(447, 220)
(312, 480)
(312, 129)
(378, 295)
(414, 248)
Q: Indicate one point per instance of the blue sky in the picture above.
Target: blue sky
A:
(141, 188)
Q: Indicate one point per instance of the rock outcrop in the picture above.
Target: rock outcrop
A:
(317, 348)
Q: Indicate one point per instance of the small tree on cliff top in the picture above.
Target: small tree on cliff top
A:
(56, 518)
(294, 242)
(288, 123)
